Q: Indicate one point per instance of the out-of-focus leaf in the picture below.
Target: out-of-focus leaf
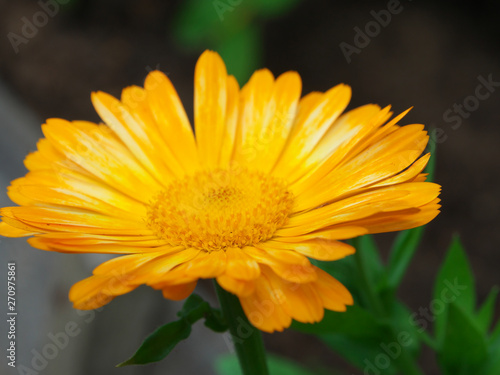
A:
(492, 365)
(403, 249)
(160, 343)
(196, 20)
(454, 283)
(485, 313)
(495, 335)
(431, 165)
(369, 252)
(361, 353)
(464, 345)
(242, 53)
(356, 322)
(402, 323)
(229, 365)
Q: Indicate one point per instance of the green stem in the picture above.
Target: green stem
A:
(405, 362)
(246, 338)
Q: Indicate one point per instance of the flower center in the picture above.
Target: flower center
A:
(220, 208)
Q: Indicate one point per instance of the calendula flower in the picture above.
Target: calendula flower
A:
(267, 180)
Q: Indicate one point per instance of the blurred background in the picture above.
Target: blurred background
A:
(440, 57)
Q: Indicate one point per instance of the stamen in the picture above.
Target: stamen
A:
(221, 208)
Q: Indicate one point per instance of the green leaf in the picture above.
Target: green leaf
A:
(431, 165)
(196, 21)
(464, 345)
(370, 253)
(356, 322)
(492, 365)
(361, 353)
(485, 313)
(454, 283)
(401, 320)
(160, 343)
(229, 365)
(495, 335)
(215, 321)
(194, 306)
(242, 52)
(402, 252)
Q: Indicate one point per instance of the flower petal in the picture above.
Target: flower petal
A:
(179, 292)
(321, 249)
(210, 100)
(242, 288)
(322, 112)
(172, 120)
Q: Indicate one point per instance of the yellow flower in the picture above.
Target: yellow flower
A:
(270, 180)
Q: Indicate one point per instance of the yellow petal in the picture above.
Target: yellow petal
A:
(131, 133)
(207, 265)
(9, 231)
(385, 199)
(210, 99)
(343, 233)
(240, 265)
(96, 291)
(311, 128)
(334, 295)
(292, 272)
(264, 308)
(278, 115)
(300, 301)
(242, 288)
(136, 101)
(49, 219)
(178, 292)
(321, 249)
(102, 156)
(253, 114)
(229, 130)
(172, 120)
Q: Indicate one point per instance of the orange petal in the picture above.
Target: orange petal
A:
(210, 99)
(96, 291)
(320, 249)
(334, 295)
(207, 265)
(9, 231)
(172, 120)
(178, 292)
(295, 273)
(241, 288)
(240, 265)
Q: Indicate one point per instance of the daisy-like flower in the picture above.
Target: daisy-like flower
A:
(267, 180)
